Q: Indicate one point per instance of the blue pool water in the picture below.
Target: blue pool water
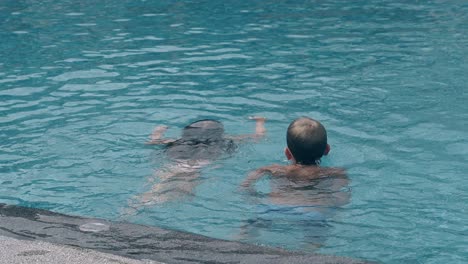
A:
(83, 83)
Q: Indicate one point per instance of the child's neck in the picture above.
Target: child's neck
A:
(317, 163)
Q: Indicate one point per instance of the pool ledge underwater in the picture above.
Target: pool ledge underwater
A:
(30, 232)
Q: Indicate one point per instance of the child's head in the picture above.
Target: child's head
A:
(307, 141)
(204, 129)
(201, 140)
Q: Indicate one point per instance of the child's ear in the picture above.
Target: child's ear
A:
(327, 150)
(288, 153)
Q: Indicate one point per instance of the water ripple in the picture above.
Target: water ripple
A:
(83, 75)
(83, 85)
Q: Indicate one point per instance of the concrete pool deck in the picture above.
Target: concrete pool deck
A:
(39, 236)
(14, 251)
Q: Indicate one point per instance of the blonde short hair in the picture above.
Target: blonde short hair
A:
(307, 140)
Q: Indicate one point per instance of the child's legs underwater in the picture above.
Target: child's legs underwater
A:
(306, 226)
(174, 181)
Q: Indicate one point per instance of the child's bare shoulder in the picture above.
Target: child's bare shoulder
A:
(301, 171)
(313, 172)
(274, 169)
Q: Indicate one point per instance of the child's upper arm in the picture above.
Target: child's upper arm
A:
(255, 176)
(160, 141)
(336, 172)
(259, 130)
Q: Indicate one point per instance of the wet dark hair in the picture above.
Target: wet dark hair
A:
(307, 140)
(201, 140)
(205, 128)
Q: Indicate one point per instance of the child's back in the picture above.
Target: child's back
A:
(297, 183)
(302, 195)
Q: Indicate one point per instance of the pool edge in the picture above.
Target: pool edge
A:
(137, 242)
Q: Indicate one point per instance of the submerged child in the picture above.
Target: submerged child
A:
(301, 191)
(201, 143)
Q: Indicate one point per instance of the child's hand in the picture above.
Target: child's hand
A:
(257, 118)
(259, 126)
(161, 128)
(158, 132)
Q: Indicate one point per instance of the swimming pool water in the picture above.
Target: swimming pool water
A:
(82, 84)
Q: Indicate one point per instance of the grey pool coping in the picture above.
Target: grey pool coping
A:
(32, 235)
(14, 251)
